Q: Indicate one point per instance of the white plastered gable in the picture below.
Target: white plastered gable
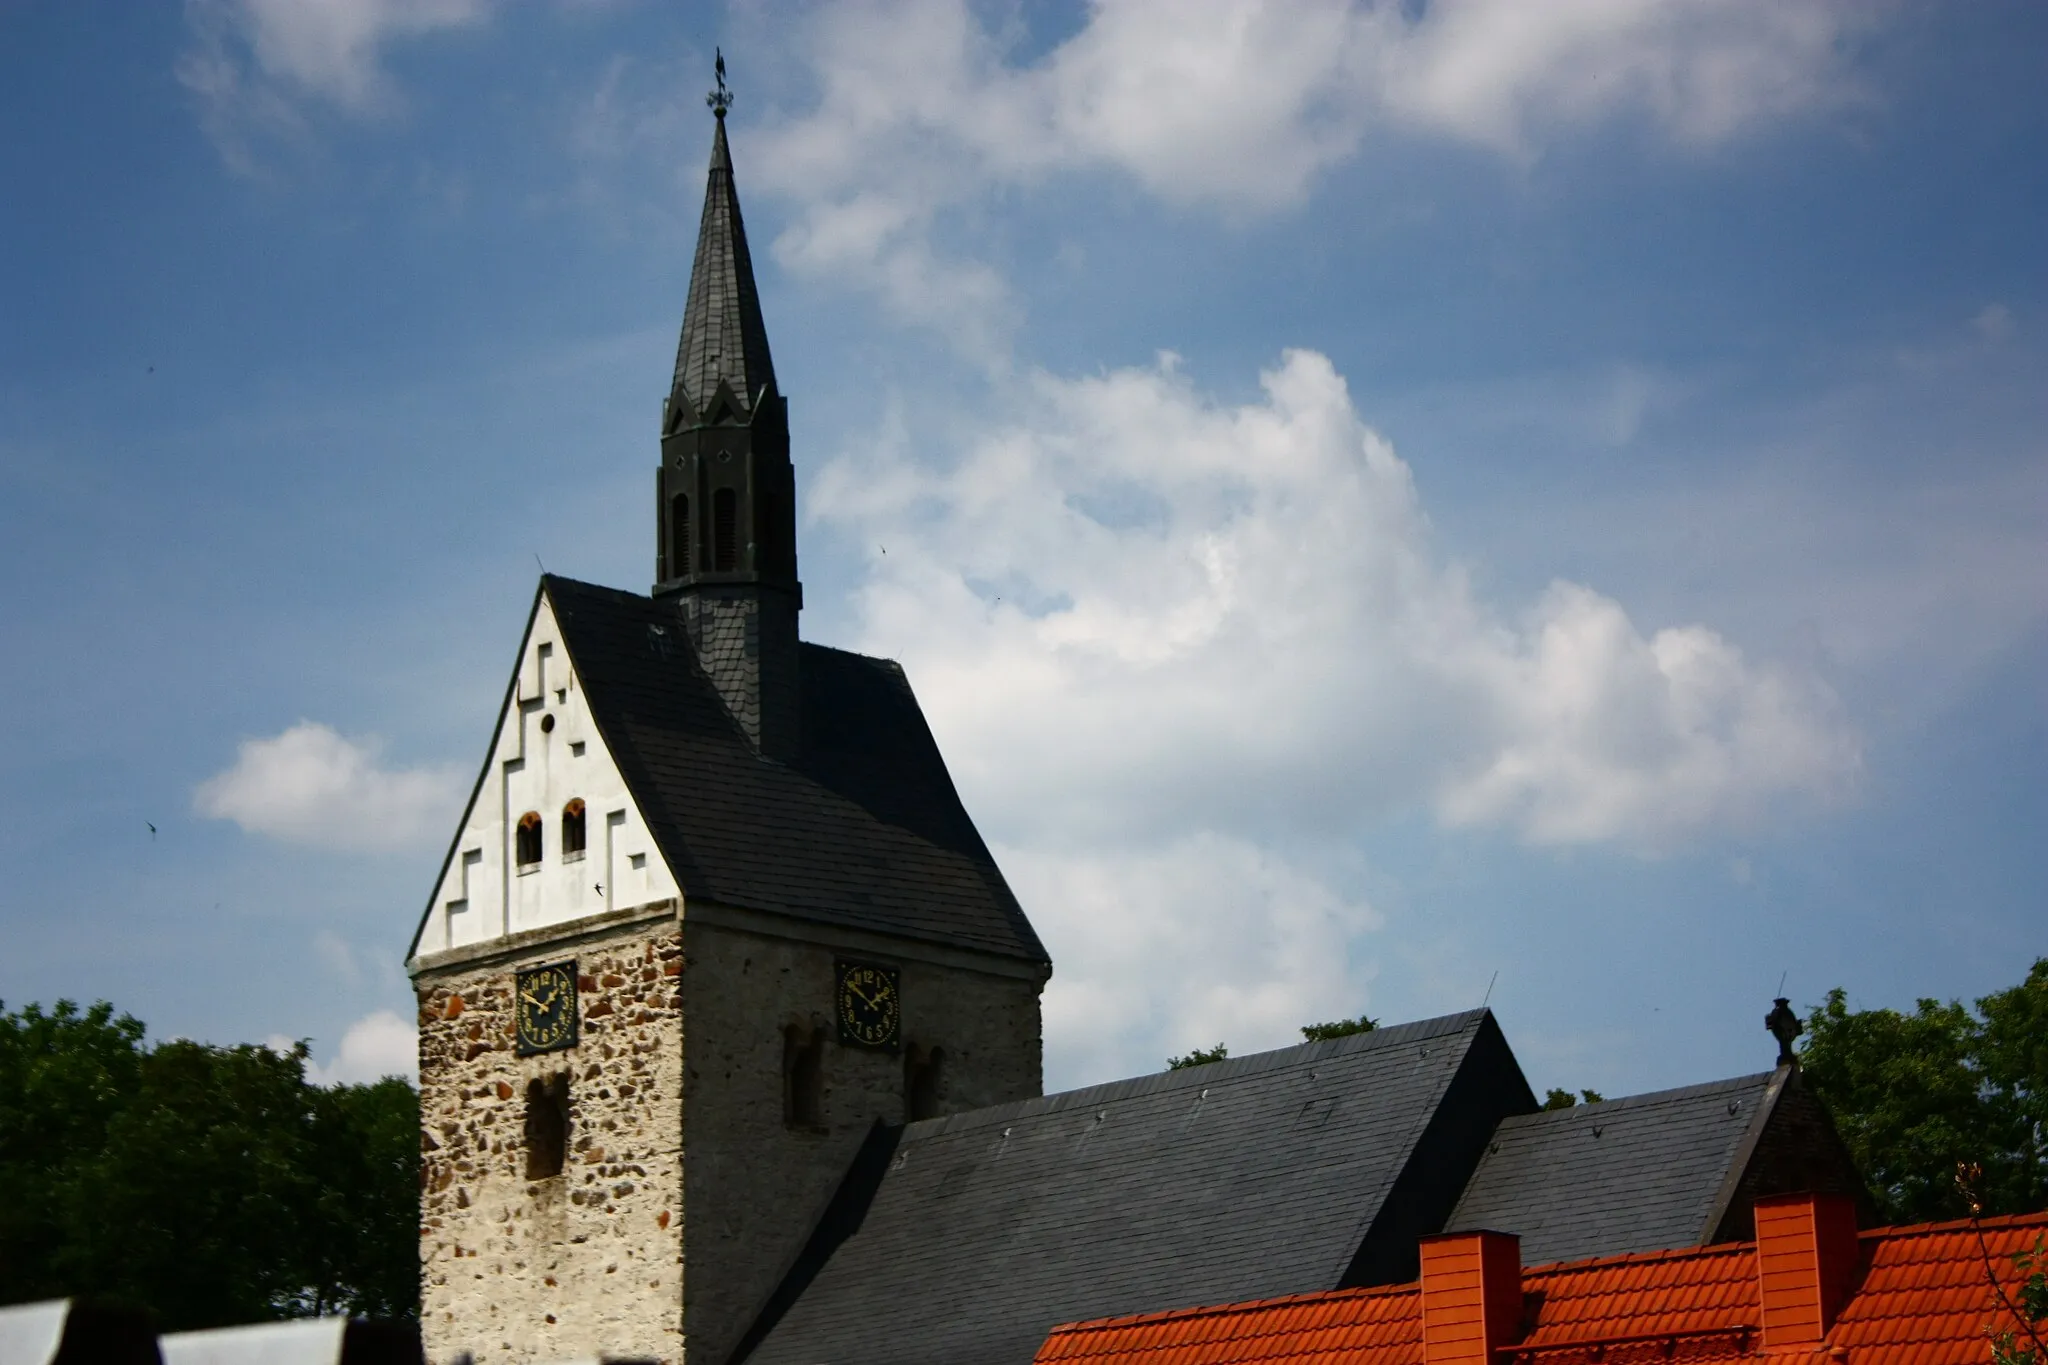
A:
(547, 753)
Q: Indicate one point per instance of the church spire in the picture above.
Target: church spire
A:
(726, 492)
(724, 339)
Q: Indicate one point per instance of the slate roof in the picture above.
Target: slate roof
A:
(1645, 1173)
(723, 336)
(863, 830)
(1245, 1178)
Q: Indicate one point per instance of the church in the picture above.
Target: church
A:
(730, 1042)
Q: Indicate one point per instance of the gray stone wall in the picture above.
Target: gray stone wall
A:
(754, 1184)
(669, 1121)
(514, 1269)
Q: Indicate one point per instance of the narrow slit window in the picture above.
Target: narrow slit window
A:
(547, 1125)
(921, 1081)
(572, 828)
(526, 841)
(725, 530)
(679, 537)
(803, 1077)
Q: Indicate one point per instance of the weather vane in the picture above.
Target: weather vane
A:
(720, 99)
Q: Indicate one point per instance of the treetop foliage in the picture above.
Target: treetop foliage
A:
(1200, 1056)
(1341, 1028)
(1560, 1098)
(1919, 1095)
(210, 1185)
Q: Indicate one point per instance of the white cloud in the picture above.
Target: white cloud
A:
(375, 1046)
(253, 64)
(334, 950)
(1993, 323)
(1238, 105)
(310, 785)
(1182, 944)
(1181, 653)
(1135, 611)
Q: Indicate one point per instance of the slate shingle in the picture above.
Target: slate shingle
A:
(723, 336)
(864, 830)
(1637, 1174)
(1247, 1178)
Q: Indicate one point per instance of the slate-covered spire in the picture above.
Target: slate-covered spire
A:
(723, 335)
(725, 495)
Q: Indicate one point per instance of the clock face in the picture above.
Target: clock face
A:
(869, 1005)
(545, 1009)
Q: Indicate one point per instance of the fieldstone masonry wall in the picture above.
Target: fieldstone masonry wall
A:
(587, 1261)
(754, 1184)
(665, 1119)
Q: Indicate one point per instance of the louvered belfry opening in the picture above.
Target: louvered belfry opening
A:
(725, 530)
(679, 555)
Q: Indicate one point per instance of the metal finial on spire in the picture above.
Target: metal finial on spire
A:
(720, 99)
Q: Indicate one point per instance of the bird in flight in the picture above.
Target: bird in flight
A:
(152, 830)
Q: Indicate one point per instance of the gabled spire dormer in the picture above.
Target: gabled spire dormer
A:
(726, 492)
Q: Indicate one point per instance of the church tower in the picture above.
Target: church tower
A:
(714, 923)
(726, 492)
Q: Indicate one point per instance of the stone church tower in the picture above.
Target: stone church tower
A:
(713, 914)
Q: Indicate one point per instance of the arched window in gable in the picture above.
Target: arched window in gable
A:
(526, 840)
(572, 829)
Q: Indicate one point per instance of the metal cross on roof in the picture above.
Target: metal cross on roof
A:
(720, 99)
(1784, 1025)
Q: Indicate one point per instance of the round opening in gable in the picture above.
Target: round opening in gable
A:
(547, 723)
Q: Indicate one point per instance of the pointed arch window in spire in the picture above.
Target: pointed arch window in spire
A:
(679, 536)
(725, 530)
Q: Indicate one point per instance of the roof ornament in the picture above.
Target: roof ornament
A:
(1784, 1025)
(720, 99)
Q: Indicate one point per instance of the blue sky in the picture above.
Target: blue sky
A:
(1375, 500)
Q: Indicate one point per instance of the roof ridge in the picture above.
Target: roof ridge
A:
(1698, 1090)
(1209, 1073)
(1717, 1250)
(2039, 1218)
(1406, 1289)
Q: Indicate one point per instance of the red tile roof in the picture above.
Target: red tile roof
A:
(1924, 1299)
(1382, 1325)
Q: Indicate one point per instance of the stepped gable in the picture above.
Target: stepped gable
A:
(863, 828)
(1653, 1172)
(1313, 1166)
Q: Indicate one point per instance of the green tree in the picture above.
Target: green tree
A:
(1341, 1028)
(67, 1075)
(1559, 1098)
(1200, 1056)
(1916, 1095)
(210, 1185)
